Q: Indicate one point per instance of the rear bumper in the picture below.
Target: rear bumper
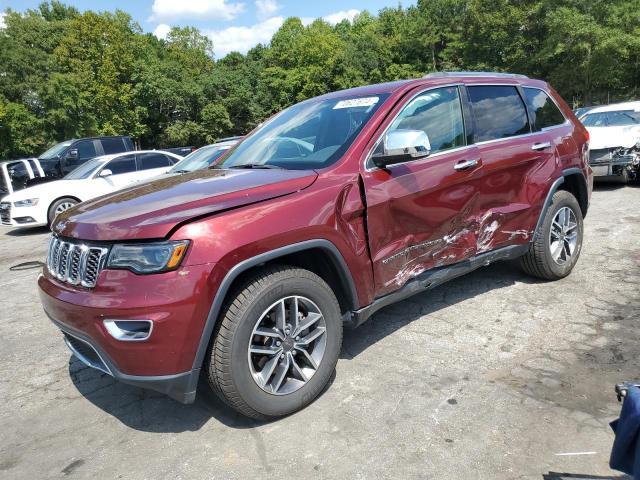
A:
(181, 387)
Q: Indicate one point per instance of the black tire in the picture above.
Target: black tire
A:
(538, 261)
(51, 214)
(227, 364)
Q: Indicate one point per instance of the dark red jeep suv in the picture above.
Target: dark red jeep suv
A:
(247, 272)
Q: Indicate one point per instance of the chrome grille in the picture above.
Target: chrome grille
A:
(75, 263)
(5, 213)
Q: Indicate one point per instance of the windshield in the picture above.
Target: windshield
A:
(85, 170)
(201, 158)
(620, 118)
(309, 135)
(55, 150)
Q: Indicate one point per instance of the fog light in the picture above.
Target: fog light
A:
(129, 330)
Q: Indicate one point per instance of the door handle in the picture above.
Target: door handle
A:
(541, 146)
(466, 164)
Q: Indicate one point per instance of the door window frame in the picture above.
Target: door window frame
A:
(468, 121)
(545, 129)
(106, 165)
(462, 97)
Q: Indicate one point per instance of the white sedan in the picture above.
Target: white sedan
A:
(39, 205)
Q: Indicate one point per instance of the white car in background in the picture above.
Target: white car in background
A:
(39, 205)
(614, 141)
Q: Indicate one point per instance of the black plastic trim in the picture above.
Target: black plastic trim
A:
(245, 265)
(434, 277)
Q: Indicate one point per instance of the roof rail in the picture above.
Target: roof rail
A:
(474, 74)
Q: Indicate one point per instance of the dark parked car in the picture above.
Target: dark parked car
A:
(340, 205)
(65, 156)
(16, 174)
(204, 156)
(182, 151)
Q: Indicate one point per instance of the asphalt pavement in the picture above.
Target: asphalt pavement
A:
(492, 376)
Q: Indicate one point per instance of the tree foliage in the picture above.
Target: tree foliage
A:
(67, 74)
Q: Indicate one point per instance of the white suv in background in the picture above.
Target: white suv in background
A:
(614, 145)
(39, 205)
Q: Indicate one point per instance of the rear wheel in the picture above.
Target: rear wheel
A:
(60, 206)
(277, 343)
(555, 251)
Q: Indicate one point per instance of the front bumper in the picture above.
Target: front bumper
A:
(605, 164)
(181, 387)
(176, 302)
(11, 216)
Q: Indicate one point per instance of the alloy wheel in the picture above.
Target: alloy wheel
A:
(563, 236)
(287, 345)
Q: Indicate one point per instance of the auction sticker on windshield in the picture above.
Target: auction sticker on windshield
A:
(356, 102)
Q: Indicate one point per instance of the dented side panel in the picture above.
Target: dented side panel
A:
(515, 180)
(422, 215)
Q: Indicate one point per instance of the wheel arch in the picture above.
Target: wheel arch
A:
(572, 181)
(52, 203)
(319, 256)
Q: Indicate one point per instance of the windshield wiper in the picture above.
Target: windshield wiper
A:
(257, 166)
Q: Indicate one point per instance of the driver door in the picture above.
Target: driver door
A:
(422, 214)
(123, 172)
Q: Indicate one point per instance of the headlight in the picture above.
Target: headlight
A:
(29, 202)
(148, 257)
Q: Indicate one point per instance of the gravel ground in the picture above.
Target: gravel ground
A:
(491, 376)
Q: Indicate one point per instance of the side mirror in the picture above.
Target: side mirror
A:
(105, 172)
(401, 146)
(72, 154)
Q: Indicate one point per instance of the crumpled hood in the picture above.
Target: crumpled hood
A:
(152, 209)
(613, 137)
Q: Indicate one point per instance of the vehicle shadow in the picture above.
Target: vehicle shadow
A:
(568, 476)
(608, 185)
(396, 316)
(25, 232)
(152, 412)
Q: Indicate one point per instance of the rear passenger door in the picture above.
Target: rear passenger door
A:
(514, 160)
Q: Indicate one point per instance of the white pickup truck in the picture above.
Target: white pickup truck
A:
(614, 144)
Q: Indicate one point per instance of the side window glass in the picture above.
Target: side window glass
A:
(498, 112)
(120, 165)
(113, 145)
(436, 112)
(18, 175)
(153, 160)
(86, 149)
(543, 110)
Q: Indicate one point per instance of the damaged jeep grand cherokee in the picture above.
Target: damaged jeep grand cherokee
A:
(245, 274)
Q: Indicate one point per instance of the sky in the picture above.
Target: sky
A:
(232, 25)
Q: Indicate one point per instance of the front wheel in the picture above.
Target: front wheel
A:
(277, 343)
(556, 248)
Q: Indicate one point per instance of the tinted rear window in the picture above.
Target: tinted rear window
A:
(498, 112)
(113, 145)
(153, 160)
(544, 111)
(120, 165)
(86, 149)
